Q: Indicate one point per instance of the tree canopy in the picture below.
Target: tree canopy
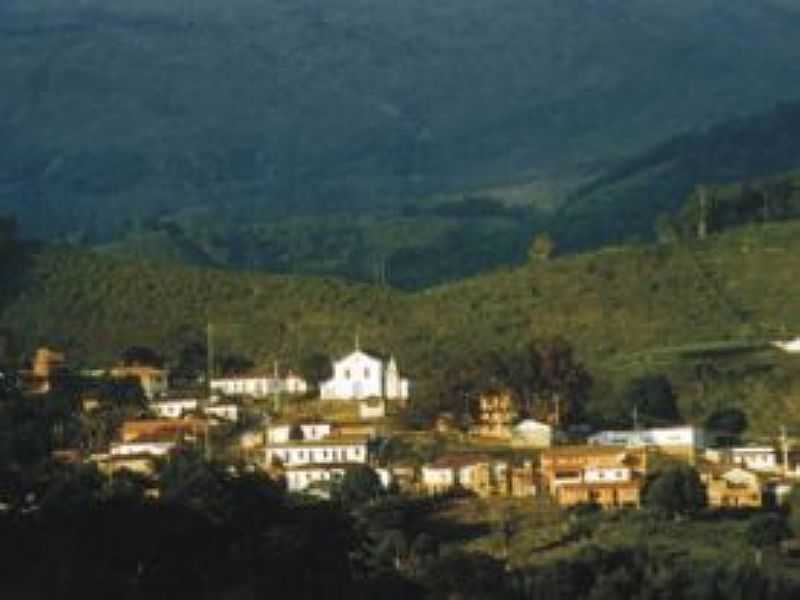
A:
(676, 491)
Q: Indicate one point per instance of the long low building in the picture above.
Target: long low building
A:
(259, 385)
(329, 450)
(683, 441)
(301, 478)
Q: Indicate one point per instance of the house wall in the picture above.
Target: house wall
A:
(757, 459)
(722, 494)
(610, 496)
(173, 409)
(298, 480)
(149, 448)
(301, 454)
(279, 434)
(227, 412)
(438, 480)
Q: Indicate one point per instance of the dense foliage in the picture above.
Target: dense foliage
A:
(695, 314)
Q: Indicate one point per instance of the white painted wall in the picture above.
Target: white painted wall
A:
(309, 454)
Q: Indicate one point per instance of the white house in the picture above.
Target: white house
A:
(142, 447)
(361, 375)
(755, 458)
(225, 411)
(259, 385)
(532, 433)
(607, 474)
(280, 433)
(174, 408)
(790, 346)
(301, 478)
(684, 440)
(317, 459)
(327, 451)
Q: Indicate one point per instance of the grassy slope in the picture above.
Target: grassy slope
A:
(628, 311)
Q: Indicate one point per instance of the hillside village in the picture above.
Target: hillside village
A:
(307, 438)
(621, 413)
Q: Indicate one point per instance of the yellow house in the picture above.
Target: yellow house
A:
(731, 487)
(606, 475)
(471, 472)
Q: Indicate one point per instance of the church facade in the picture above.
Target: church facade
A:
(361, 375)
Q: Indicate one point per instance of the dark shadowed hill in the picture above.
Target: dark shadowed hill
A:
(624, 201)
(113, 112)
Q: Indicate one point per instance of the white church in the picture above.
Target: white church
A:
(361, 375)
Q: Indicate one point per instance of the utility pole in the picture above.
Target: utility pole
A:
(275, 384)
(209, 355)
(784, 450)
(558, 410)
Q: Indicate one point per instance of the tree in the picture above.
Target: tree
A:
(651, 397)
(564, 382)
(316, 367)
(141, 356)
(393, 548)
(192, 361)
(766, 531)
(359, 485)
(676, 491)
(468, 575)
(793, 504)
(728, 422)
(235, 364)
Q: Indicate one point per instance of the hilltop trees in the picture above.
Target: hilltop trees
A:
(546, 378)
(141, 356)
(653, 400)
(549, 381)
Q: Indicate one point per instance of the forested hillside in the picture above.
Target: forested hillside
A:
(211, 123)
(699, 312)
(624, 202)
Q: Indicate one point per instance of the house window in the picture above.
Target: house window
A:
(347, 373)
(366, 372)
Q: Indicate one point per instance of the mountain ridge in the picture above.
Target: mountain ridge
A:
(129, 112)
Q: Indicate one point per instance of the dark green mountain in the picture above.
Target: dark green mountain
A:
(224, 117)
(623, 202)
